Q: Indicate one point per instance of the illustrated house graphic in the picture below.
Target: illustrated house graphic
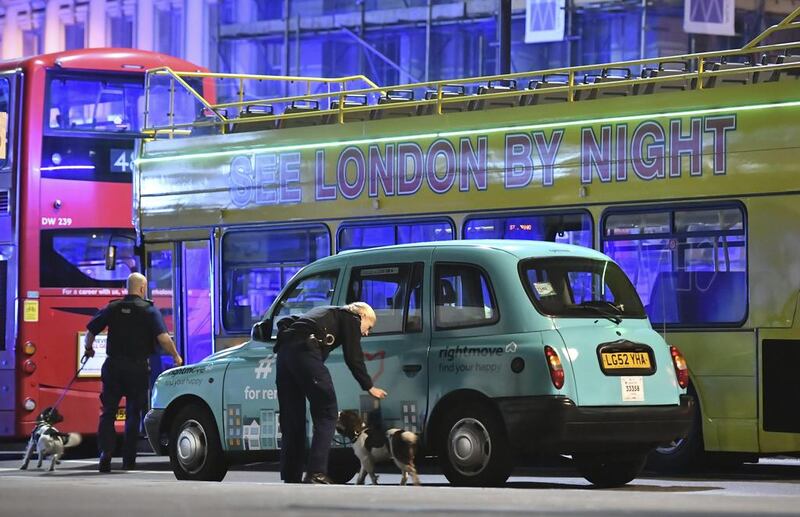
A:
(252, 436)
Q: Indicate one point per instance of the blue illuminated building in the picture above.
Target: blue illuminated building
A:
(390, 41)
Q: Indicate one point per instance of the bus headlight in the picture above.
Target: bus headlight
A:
(29, 404)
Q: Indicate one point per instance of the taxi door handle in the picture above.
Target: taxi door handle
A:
(412, 369)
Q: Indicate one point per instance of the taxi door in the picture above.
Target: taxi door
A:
(396, 350)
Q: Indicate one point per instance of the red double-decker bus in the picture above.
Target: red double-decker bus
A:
(68, 122)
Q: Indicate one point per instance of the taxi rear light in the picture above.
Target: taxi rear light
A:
(681, 369)
(554, 365)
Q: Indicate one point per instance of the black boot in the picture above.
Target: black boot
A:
(317, 478)
(105, 463)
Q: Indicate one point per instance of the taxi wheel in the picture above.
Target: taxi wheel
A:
(342, 465)
(609, 472)
(195, 452)
(473, 447)
(682, 454)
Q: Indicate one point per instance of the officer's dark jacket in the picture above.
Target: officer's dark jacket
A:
(344, 329)
(133, 325)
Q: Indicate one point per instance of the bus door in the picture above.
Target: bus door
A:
(160, 263)
(195, 304)
(10, 83)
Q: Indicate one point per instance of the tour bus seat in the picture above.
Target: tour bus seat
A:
(777, 75)
(746, 77)
(500, 86)
(665, 69)
(611, 75)
(587, 93)
(253, 111)
(301, 107)
(350, 101)
(541, 95)
(207, 116)
(449, 91)
(698, 297)
(404, 101)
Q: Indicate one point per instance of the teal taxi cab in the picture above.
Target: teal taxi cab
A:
(488, 349)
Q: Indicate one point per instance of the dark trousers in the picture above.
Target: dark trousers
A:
(301, 374)
(122, 378)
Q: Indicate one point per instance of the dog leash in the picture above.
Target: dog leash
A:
(84, 360)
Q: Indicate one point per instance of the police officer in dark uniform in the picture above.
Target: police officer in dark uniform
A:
(134, 326)
(304, 342)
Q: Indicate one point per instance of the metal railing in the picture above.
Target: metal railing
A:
(696, 73)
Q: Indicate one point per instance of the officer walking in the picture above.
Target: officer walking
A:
(304, 342)
(134, 326)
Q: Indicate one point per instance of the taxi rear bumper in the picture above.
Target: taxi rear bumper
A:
(556, 424)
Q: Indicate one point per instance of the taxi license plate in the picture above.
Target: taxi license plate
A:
(625, 361)
(121, 413)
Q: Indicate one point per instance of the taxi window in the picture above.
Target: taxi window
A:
(464, 297)
(577, 287)
(387, 289)
(306, 294)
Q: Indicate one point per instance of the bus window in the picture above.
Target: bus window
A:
(359, 236)
(256, 264)
(76, 258)
(113, 102)
(571, 228)
(83, 103)
(385, 289)
(688, 265)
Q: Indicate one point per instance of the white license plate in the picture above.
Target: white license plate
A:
(632, 389)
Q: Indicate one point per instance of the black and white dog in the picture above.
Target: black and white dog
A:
(47, 441)
(372, 445)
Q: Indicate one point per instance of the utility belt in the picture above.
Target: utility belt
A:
(310, 341)
(129, 362)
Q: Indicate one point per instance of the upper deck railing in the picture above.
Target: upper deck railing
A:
(335, 101)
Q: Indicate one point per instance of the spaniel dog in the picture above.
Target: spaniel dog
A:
(372, 445)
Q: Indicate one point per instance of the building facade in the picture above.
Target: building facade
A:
(390, 41)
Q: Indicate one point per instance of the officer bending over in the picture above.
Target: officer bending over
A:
(134, 326)
(304, 342)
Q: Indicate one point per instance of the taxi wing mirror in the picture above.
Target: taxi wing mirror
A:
(262, 331)
(111, 257)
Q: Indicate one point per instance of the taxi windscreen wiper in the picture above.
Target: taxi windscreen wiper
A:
(598, 305)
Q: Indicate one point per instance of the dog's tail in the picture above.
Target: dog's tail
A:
(409, 437)
(73, 439)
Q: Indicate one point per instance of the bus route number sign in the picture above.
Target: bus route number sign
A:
(121, 160)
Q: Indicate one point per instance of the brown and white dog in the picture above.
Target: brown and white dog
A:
(47, 441)
(372, 446)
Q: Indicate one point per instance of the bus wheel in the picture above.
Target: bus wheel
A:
(682, 454)
(608, 472)
(473, 447)
(342, 465)
(195, 452)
